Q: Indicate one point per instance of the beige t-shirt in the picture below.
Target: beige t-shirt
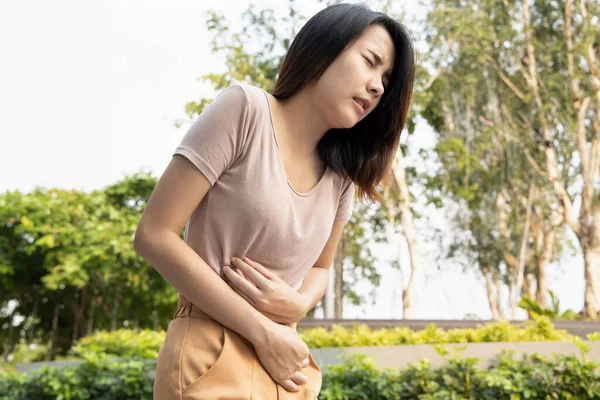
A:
(251, 209)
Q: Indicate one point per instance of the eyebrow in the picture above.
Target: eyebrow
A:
(379, 61)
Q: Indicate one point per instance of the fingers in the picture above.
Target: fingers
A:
(299, 378)
(241, 283)
(255, 276)
(293, 384)
(260, 268)
(305, 363)
(289, 385)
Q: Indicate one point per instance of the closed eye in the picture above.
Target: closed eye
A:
(372, 64)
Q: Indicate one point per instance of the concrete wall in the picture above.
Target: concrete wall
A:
(401, 356)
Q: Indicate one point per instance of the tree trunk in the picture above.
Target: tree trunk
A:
(91, 312)
(492, 297)
(591, 258)
(529, 286)
(588, 154)
(36, 300)
(8, 341)
(327, 303)
(54, 331)
(410, 233)
(498, 286)
(78, 314)
(523, 252)
(115, 309)
(545, 253)
(512, 298)
(339, 279)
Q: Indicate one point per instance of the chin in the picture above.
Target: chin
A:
(351, 121)
(349, 124)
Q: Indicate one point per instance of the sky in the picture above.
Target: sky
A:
(90, 92)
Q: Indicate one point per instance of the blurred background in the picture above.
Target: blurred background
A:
(495, 213)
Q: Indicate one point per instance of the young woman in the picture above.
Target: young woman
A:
(264, 183)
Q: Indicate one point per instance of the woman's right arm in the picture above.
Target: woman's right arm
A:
(177, 193)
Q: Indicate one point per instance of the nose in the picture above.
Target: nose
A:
(375, 87)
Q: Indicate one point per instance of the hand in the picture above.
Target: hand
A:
(268, 293)
(283, 355)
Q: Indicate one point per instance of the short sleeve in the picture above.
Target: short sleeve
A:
(346, 203)
(216, 137)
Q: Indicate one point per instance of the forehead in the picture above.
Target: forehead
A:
(377, 38)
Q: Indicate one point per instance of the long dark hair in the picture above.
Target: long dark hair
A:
(365, 152)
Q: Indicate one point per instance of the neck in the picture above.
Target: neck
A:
(301, 121)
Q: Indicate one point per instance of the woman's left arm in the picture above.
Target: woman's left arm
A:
(273, 297)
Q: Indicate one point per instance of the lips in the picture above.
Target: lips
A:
(363, 103)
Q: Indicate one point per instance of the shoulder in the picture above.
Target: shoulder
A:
(348, 185)
(255, 96)
(244, 92)
(244, 98)
(342, 183)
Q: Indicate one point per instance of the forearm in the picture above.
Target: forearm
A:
(191, 276)
(314, 286)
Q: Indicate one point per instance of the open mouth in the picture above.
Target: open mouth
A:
(359, 105)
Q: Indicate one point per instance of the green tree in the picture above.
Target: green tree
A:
(68, 264)
(491, 152)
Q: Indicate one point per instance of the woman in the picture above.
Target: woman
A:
(264, 183)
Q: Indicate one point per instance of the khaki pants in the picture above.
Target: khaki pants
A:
(202, 359)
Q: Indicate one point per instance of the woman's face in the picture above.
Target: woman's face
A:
(359, 75)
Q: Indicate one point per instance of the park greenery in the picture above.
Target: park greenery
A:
(534, 377)
(512, 92)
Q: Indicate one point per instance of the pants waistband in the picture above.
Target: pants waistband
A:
(187, 309)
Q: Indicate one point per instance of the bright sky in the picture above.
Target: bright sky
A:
(89, 92)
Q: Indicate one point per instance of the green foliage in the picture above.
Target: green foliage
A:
(123, 343)
(564, 377)
(97, 380)
(553, 312)
(593, 336)
(27, 353)
(530, 331)
(494, 92)
(70, 253)
(146, 343)
(533, 377)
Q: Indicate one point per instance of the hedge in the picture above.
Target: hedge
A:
(534, 377)
(146, 343)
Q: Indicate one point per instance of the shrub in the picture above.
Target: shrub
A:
(146, 343)
(97, 380)
(534, 377)
(503, 331)
(122, 343)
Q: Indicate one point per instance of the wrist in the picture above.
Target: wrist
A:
(260, 332)
(305, 304)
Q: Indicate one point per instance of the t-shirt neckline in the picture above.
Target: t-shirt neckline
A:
(314, 188)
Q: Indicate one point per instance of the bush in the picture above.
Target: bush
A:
(146, 343)
(98, 380)
(503, 331)
(534, 377)
(27, 353)
(124, 343)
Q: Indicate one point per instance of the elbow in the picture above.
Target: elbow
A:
(140, 240)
